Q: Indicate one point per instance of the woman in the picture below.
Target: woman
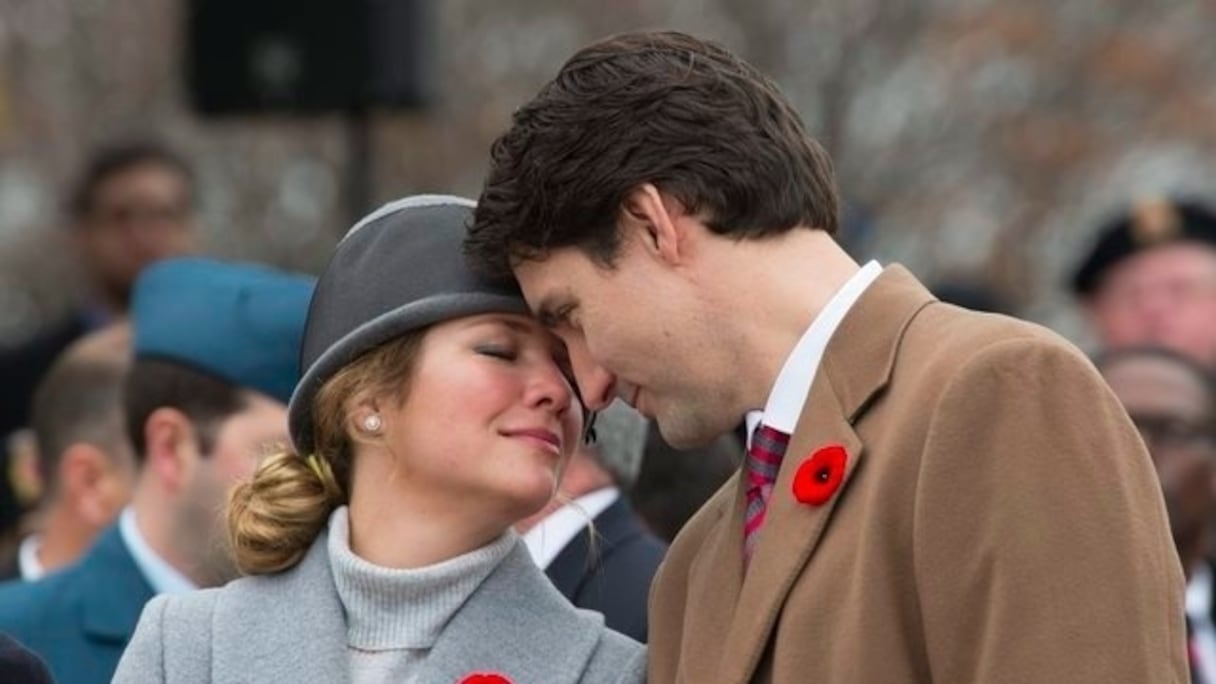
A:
(433, 414)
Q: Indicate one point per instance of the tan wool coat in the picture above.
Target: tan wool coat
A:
(999, 521)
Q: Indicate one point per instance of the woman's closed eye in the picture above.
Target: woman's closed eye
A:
(498, 351)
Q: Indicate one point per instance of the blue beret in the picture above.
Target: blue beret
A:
(239, 322)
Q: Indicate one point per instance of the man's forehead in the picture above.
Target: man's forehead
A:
(542, 280)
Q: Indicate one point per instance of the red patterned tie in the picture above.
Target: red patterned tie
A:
(763, 461)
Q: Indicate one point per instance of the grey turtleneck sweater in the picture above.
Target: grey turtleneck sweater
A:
(394, 617)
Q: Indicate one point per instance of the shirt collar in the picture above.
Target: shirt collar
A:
(164, 578)
(27, 558)
(1199, 592)
(547, 538)
(786, 399)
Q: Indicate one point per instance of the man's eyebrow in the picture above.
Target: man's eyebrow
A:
(547, 312)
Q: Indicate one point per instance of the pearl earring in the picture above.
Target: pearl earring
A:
(372, 423)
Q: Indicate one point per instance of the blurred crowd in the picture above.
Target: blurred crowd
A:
(78, 454)
(127, 423)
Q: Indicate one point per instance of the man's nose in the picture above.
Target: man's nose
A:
(596, 385)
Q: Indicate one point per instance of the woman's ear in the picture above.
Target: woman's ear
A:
(366, 420)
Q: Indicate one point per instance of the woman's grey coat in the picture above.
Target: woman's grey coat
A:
(290, 627)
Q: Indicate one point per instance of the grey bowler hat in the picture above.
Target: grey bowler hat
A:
(400, 268)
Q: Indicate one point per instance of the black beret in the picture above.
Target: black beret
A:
(1146, 225)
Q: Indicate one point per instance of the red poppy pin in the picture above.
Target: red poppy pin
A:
(485, 678)
(820, 475)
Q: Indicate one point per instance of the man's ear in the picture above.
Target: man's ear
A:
(657, 221)
(83, 469)
(172, 448)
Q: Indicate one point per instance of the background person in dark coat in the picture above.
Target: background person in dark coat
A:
(673, 483)
(590, 543)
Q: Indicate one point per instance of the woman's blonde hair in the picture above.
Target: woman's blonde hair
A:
(274, 518)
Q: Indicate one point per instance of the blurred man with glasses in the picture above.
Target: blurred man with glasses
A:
(1172, 401)
(133, 204)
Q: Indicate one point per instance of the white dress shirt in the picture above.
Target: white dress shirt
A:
(548, 537)
(164, 578)
(1199, 610)
(785, 401)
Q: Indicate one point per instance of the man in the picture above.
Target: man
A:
(216, 351)
(84, 459)
(931, 494)
(133, 204)
(592, 546)
(1150, 279)
(1172, 401)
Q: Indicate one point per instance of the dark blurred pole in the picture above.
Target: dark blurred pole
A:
(359, 164)
(350, 57)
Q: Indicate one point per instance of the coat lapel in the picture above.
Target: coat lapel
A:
(517, 625)
(856, 366)
(790, 535)
(714, 580)
(576, 564)
(113, 590)
(285, 627)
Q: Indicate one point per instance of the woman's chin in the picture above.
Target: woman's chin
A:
(527, 504)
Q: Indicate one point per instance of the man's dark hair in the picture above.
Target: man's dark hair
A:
(664, 108)
(79, 400)
(121, 157)
(205, 399)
